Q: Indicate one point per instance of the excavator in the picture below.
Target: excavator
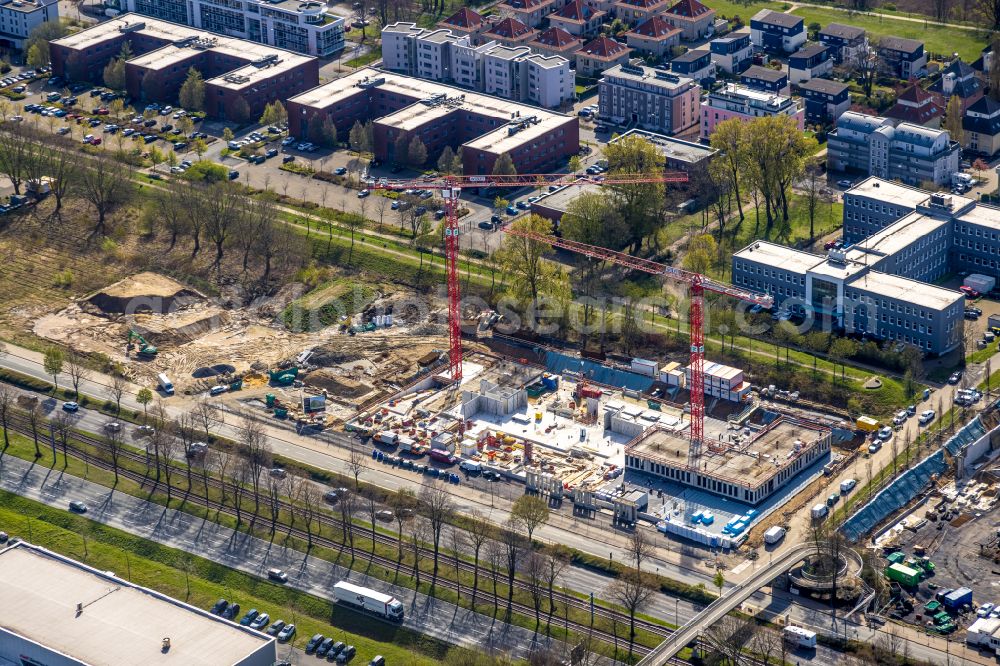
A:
(145, 349)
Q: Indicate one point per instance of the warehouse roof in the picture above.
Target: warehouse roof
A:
(100, 619)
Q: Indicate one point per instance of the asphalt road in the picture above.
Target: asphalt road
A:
(203, 538)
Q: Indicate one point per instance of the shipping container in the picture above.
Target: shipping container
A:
(958, 598)
(867, 423)
(644, 367)
(903, 574)
(982, 283)
(387, 437)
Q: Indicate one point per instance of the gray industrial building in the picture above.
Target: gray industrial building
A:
(60, 612)
(899, 240)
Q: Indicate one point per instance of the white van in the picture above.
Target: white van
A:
(165, 384)
(470, 466)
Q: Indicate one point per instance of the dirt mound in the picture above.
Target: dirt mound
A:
(337, 385)
(144, 292)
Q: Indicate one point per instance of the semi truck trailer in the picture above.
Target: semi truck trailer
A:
(368, 600)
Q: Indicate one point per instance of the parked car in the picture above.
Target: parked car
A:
(287, 633)
(286, 159)
(885, 433)
(969, 291)
(926, 416)
(845, 183)
(231, 612)
(385, 515)
(346, 654)
(363, 193)
(955, 378)
(340, 171)
(271, 152)
(113, 426)
(324, 647)
(275, 627)
(330, 497)
(260, 621)
(219, 606)
(314, 643)
(249, 617)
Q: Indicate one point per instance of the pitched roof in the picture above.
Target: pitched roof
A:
(987, 120)
(691, 56)
(523, 4)
(899, 44)
(604, 47)
(655, 28)
(464, 18)
(915, 95)
(645, 4)
(764, 74)
(557, 38)
(810, 50)
(689, 9)
(510, 28)
(959, 69)
(824, 86)
(915, 105)
(842, 31)
(577, 11)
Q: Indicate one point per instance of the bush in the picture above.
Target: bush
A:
(63, 278)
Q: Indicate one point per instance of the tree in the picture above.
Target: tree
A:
(479, 530)
(328, 133)
(729, 139)
(227, 134)
(114, 71)
(199, 146)
(865, 67)
(640, 204)
(257, 450)
(192, 92)
(416, 152)
(632, 589)
(512, 543)
(39, 38)
(530, 512)
(840, 350)
(639, 548)
(953, 118)
(813, 184)
(701, 253)
(53, 364)
(534, 576)
(504, 166)
(446, 161)
(77, 373)
(575, 164)
(719, 580)
(524, 261)
(37, 56)
(115, 441)
(437, 505)
(730, 637)
(989, 11)
(144, 397)
(106, 184)
(403, 501)
(240, 111)
(776, 153)
(116, 390)
(7, 397)
(274, 114)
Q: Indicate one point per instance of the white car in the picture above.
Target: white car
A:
(875, 447)
(885, 433)
(216, 390)
(113, 426)
(926, 416)
(984, 610)
(900, 417)
(847, 485)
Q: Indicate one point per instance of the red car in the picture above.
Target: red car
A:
(103, 111)
(96, 141)
(969, 291)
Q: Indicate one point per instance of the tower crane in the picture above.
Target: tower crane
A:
(450, 188)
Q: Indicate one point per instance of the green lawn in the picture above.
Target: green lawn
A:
(366, 59)
(151, 565)
(730, 9)
(936, 39)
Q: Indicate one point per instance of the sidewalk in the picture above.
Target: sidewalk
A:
(236, 550)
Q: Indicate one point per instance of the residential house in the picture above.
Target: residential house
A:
(464, 22)
(635, 12)
(766, 79)
(509, 32)
(654, 37)
(578, 18)
(911, 153)
(529, 12)
(653, 99)
(695, 64)
(599, 54)
(777, 32)
(981, 127)
(693, 18)
(825, 100)
(732, 53)
(902, 58)
(557, 42)
(845, 41)
(916, 105)
(736, 101)
(960, 79)
(812, 61)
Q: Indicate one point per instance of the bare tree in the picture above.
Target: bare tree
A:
(639, 548)
(356, 464)
(185, 430)
(206, 413)
(403, 502)
(222, 210)
(348, 504)
(534, 576)
(437, 505)
(478, 530)
(495, 560)
(62, 166)
(258, 453)
(530, 512)
(222, 461)
(513, 547)
(371, 508)
(555, 564)
(458, 543)
(7, 396)
(309, 497)
(106, 184)
(243, 472)
(730, 636)
(62, 426)
(865, 66)
(77, 372)
(115, 441)
(418, 535)
(116, 389)
(632, 589)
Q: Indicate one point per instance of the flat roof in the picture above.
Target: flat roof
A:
(838, 270)
(673, 148)
(746, 463)
(904, 289)
(764, 74)
(415, 115)
(779, 256)
(890, 192)
(120, 623)
(649, 76)
(501, 140)
(27, 6)
(561, 198)
(164, 57)
(898, 235)
(985, 216)
(151, 27)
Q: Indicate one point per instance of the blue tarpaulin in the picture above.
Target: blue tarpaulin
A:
(560, 363)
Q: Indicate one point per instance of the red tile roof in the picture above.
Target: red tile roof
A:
(510, 28)
(688, 9)
(556, 38)
(655, 28)
(523, 4)
(464, 18)
(576, 11)
(643, 4)
(915, 105)
(915, 95)
(604, 47)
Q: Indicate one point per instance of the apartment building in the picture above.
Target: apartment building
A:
(825, 100)
(484, 127)
(981, 127)
(911, 153)
(733, 53)
(777, 32)
(556, 42)
(695, 64)
(164, 52)
(901, 58)
(513, 72)
(736, 101)
(301, 26)
(916, 105)
(599, 54)
(578, 18)
(655, 37)
(653, 99)
(845, 41)
(19, 17)
(812, 61)
(694, 19)
(635, 12)
(766, 79)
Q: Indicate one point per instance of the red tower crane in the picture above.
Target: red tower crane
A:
(451, 187)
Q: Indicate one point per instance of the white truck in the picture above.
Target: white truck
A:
(774, 535)
(800, 637)
(471, 466)
(165, 384)
(370, 601)
(388, 437)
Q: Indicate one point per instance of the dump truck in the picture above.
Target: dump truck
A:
(368, 600)
(903, 575)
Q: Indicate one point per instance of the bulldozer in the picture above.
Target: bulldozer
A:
(145, 349)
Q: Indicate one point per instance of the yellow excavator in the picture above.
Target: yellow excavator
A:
(145, 349)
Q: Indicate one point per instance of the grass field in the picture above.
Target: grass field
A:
(201, 582)
(936, 38)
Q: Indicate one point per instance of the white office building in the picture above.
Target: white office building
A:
(19, 17)
(304, 26)
(467, 65)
